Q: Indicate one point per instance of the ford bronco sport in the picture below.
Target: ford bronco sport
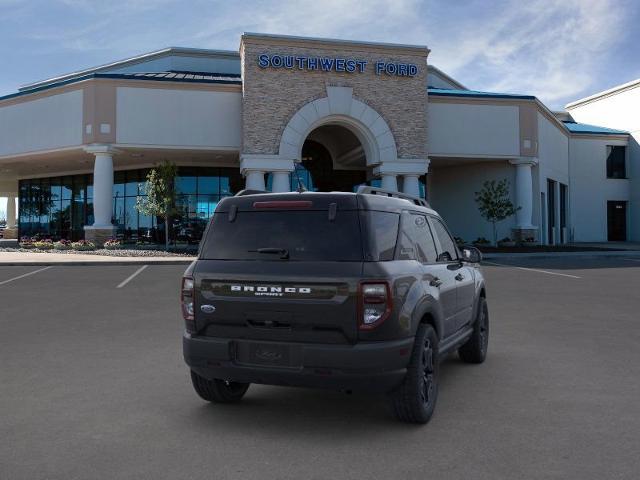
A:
(361, 291)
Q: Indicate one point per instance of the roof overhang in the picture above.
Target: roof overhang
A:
(224, 82)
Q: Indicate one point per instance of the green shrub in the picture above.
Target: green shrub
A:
(83, 245)
(62, 245)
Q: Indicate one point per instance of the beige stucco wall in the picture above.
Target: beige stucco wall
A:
(459, 129)
(271, 96)
(50, 122)
(184, 118)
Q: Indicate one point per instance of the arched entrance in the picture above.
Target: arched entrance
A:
(342, 142)
(334, 159)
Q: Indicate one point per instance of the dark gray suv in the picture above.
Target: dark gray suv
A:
(350, 291)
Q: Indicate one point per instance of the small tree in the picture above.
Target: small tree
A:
(160, 193)
(494, 203)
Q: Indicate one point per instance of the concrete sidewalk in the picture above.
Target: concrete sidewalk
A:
(33, 258)
(592, 254)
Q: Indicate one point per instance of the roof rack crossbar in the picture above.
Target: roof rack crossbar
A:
(366, 189)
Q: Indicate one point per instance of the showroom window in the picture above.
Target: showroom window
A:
(60, 207)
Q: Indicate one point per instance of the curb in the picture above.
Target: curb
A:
(90, 263)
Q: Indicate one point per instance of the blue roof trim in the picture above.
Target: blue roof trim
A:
(444, 92)
(575, 127)
(227, 79)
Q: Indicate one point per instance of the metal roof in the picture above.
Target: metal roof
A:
(444, 92)
(145, 57)
(186, 77)
(575, 127)
(176, 75)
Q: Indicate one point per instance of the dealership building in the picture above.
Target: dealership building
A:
(328, 114)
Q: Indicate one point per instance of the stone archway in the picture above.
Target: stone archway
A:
(340, 108)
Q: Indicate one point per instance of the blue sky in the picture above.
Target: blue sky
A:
(556, 50)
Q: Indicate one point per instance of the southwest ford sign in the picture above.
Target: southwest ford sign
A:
(331, 64)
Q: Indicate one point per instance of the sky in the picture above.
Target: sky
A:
(557, 50)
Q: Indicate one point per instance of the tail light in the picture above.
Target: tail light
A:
(375, 304)
(186, 300)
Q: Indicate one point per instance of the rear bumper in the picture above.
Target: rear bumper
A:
(372, 366)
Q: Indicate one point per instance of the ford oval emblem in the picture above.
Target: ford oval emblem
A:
(208, 308)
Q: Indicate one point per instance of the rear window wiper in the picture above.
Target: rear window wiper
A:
(283, 252)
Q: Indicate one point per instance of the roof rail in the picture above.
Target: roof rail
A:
(365, 189)
(242, 193)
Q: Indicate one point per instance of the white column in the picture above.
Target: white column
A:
(103, 190)
(389, 182)
(254, 180)
(280, 182)
(558, 207)
(524, 192)
(253, 167)
(408, 169)
(11, 211)
(411, 185)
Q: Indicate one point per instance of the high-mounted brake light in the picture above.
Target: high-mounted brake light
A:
(284, 204)
(186, 301)
(375, 304)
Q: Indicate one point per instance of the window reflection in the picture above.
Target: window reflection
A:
(59, 207)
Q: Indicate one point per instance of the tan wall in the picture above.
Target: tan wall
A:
(271, 96)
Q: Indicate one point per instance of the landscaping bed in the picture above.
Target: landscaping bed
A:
(112, 248)
(120, 252)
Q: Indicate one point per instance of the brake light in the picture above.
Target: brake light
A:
(284, 204)
(375, 304)
(186, 301)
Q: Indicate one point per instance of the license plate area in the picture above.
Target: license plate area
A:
(267, 354)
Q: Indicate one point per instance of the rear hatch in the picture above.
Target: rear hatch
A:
(281, 267)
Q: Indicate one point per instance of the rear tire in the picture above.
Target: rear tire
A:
(218, 391)
(415, 399)
(475, 349)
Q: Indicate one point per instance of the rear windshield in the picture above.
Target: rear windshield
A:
(304, 235)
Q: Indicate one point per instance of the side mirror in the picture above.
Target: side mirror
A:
(471, 255)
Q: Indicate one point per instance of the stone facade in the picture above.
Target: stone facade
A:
(10, 233)
(271, 96)
(98, 235)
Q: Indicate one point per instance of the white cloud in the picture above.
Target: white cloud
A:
(554, 49)
(349, 19)
(548, 48)
(543, 47)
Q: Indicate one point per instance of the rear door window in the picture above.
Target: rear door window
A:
(306, 235)
(416, 241)
(382, 234)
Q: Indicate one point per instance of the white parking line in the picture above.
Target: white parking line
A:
(25, 275)
(132, 276)
(532, 270)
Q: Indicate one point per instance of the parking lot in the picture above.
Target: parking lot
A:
(92, 385)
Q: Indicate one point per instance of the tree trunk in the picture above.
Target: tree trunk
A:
(166, 233)
(495, 234)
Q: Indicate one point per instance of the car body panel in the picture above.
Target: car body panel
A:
(286, 321)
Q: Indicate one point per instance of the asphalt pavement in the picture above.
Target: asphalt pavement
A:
(93, 386)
